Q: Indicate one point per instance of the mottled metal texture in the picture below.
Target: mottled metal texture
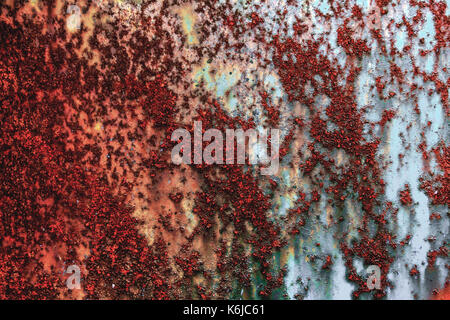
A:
(359, 90)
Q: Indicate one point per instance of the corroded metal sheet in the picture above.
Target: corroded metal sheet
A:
(92, 93)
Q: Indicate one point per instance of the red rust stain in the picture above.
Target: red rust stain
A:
(87, 119)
